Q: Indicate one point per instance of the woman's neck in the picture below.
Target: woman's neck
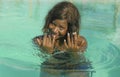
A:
(59, 44)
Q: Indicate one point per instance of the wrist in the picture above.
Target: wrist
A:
(48, 51)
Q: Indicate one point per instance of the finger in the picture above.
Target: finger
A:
(49, 39)
(53, 40)
(72, 42)
(83, 43)
(75, 38)
(69, 41)
(39, 42)
(44, 39)
(65, 43)
(79, 44)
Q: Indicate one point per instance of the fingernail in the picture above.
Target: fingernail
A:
(54, 36)
(68, 34)
(73, 33)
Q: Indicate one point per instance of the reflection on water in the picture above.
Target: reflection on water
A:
(61, 64)
(104, 56)
(15, 68)
(21, 20)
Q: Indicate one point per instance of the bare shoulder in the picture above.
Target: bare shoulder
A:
(82, 42)
(81, 38)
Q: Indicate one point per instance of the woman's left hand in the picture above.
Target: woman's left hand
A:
(74, 43)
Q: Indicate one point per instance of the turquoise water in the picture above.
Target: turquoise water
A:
(21, 20)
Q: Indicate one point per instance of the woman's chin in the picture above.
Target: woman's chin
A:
(56, 38)
(59, 38)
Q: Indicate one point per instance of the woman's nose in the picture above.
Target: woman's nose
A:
(55, 30)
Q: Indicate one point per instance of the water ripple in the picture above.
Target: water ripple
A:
(103, 54)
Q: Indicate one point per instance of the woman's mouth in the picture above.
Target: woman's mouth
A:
(55, 36)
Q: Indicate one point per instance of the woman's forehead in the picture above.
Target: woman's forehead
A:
(60, 22)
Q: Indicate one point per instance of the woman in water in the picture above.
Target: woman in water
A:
(61, 40)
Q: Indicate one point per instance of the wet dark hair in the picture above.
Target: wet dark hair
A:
(64, 10)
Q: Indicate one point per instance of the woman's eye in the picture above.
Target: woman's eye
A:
(61, 28)
(53, 24)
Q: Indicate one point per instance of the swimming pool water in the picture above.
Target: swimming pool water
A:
(21, 20)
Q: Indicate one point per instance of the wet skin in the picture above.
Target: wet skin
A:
(58, 30)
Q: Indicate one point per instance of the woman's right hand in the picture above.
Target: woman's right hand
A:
(47, 44)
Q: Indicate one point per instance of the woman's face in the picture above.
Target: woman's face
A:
(58, 28)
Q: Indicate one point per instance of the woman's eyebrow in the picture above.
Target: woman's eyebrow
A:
(53, 22)
(58, 24)
(61, 25)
